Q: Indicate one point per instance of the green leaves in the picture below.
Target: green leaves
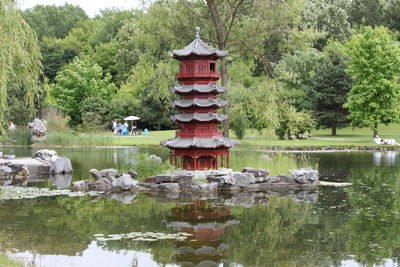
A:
(78, 81)
(20, 65)
(375, 66)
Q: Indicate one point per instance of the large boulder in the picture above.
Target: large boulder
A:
(167, 187)
(38, 130)
(109, 174)
(200, 187)
(305, 176)
(124, 183)
(100, 185)
(61, 166)
(80, 185)
(256, 172)
(47, 155)
(5, 172)
(243, 179)
(221, 180)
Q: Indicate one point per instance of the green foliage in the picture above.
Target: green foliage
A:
(20, 136)
(19, 59)
(155, 99)
(95, 110)
(146, 167)
(7, 262)
(296, 72)
(56, 53)
(374, 66)
(329, 90)
(53, 21)
(78, 81)
(55, 119)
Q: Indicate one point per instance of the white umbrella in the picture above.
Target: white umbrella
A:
(131, 118)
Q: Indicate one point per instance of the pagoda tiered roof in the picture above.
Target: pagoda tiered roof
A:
(214, 142)
(198, 88)
(199, 48)
(201, 117)
(199, 102)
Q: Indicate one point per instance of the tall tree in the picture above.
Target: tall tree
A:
(374, 66)
(53, 21)
(329, 89)
(19, 58)
(78, 81)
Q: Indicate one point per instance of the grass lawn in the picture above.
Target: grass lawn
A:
(346, 137)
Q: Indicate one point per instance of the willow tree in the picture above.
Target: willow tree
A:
(19, 58)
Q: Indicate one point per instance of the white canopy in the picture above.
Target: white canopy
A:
(131, 118)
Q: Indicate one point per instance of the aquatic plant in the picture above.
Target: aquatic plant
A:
(14, 193)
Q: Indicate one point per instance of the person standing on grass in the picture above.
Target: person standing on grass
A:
(11, 128)
(115, 126)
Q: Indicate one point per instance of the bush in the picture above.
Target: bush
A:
(55, 119)
(146, 167)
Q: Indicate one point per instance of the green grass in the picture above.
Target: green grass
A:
(7, 262)
(346, 137)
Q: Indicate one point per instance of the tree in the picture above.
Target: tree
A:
(19, 59)
(296, 72)
(78, 81)
(53, 21)
(329, 89)
(374, 66)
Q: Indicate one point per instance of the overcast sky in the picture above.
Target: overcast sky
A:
(91, 7)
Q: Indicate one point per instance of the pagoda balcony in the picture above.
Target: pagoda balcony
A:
(212, 75)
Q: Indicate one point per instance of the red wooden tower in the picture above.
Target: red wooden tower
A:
(198, 143)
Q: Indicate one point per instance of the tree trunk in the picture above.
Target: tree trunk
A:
(333, 133)
(221, 39)
(375, 129)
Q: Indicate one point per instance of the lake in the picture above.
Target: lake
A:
(357, 225)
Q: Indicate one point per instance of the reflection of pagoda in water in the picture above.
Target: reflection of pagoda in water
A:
(207, 224)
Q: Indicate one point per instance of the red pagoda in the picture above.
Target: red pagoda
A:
(199, 144)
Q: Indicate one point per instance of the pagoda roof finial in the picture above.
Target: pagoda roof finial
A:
(199, 48)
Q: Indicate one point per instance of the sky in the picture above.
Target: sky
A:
(91, 7)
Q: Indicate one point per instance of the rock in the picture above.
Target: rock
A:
(155, 159)
(199, 187)
(206, 250)
(9, 156)
(19, 170)
(1, 154)
(38, 130)
(220, 179)
(47, 155)
(132, 174)
(256, 172)
(80, 185)
(100, 185)
(61, 166)
(169, 187)
(5, 172)
(304, 176)
(124, 183)
(243, 179)
(109, 174)
(184, 181)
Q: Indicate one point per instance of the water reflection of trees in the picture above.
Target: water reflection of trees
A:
(375, 222)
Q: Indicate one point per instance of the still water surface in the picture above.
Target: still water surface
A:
(353, 226)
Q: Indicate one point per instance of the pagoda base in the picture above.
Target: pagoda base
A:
(200, 159)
